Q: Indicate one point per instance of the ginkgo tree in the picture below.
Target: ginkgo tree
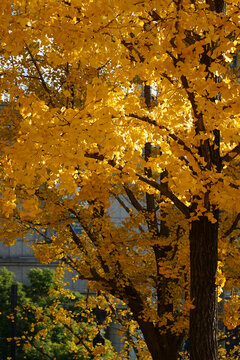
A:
(136, 103)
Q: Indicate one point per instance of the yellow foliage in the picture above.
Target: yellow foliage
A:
(129, 103)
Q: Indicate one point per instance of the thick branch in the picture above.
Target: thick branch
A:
(76, 238)
(178, 203)
(133, 199)
(233, 226)
(150, 198)
(167, 193)
(216, 5)
(232, 154)
(94, 274)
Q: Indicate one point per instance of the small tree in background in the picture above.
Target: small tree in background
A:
(52, 322)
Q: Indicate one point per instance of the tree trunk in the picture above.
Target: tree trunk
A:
(161, 346)
(203, 262)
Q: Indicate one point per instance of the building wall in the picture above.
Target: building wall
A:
(20, 258)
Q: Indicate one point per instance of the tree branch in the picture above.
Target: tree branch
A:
(126, 329)
(92, 236)
(126, 208)
(172, 136)
(81, 341)
(233, 226)
(231, 154)
(133, 199)
(167, 193)
(39, 73)
(178, 203)
(39, 349)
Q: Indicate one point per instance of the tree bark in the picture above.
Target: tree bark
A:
(161, 346)
(203, 260)
(161, 343)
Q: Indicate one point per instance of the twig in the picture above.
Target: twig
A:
(39, 73)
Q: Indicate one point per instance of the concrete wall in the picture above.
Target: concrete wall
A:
(20, 258)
